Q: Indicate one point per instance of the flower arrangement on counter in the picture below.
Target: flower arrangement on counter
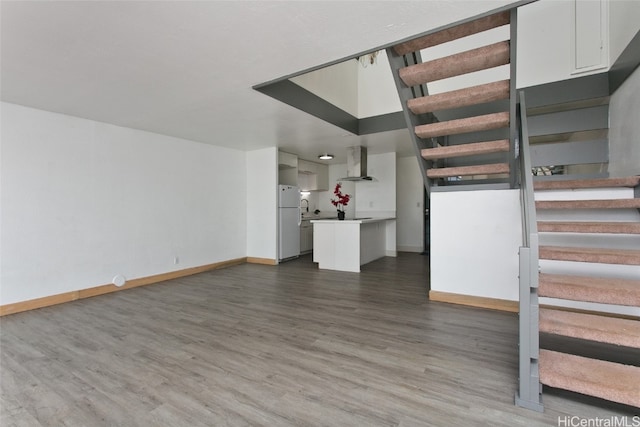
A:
(341, 200)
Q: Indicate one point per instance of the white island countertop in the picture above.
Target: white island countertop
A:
(351, 220)
(347, 244)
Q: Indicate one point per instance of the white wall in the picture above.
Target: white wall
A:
(324, 197)
(410, 212)
(83, 201)
(377, 93)
(337, 84)
(624, 128)
(547, 42)
(377, 198)
(624, 24)
(262, 203)
(475, 236)
(369, 198)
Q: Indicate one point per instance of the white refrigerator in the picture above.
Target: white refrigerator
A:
(289, 218)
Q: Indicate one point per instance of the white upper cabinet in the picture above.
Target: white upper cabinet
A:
(287, 169)
(313, 176)
(287, 160)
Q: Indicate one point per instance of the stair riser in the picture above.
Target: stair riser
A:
(589, 204)
(468, 171)
(587, 183)
(453, 33)
(607, 228)
(602, 258)
(463, 63)
(460, 98)
(579, 293)
(610, 381)
(590, 327)
(473, 124)
(475, 149)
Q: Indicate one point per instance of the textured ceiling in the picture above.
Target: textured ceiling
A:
(186, 69)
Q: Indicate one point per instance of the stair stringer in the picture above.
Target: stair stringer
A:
(408, 70)
(405, 93)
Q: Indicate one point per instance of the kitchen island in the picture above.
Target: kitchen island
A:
(348, 244)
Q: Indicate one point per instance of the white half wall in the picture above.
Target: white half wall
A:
(475, 237)
(84, 201)
(262, 203)
(410, 204)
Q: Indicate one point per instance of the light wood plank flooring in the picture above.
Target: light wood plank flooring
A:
(265, 345)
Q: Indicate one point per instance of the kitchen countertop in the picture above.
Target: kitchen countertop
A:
(309, 217)
(363, 220)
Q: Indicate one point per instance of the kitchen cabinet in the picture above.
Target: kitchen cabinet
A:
(306, 237)
(287, 169)
(312, 176)
(287, 160)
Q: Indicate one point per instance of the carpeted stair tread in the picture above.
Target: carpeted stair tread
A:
(606, 380)
(476, 148)
(589, 204)
(469, 124)
(460, 98)
(491, 169)
(599, 255)
(631, 181)
(610, 330)
(590, 289)
(589, 227)
(478, 59)
(453, 33)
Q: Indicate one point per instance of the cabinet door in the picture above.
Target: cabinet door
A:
(286, 160)
(322, 178)
(590, 35)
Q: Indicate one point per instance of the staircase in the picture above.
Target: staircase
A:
(464, 136)
(586, 257)
(477, 137)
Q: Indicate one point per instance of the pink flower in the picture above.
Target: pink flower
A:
(341, 200)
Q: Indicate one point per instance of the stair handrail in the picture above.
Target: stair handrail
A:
(529, 223)
(528, 394)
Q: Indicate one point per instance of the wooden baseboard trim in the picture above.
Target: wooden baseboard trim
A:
(105, 289)
(474, 301)
(264, 261)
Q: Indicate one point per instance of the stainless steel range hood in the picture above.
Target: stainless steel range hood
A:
(356, 165)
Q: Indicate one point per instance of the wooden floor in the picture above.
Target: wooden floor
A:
(264, 345)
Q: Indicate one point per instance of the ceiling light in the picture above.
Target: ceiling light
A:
(326, 156)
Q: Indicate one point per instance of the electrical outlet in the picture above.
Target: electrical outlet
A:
(371, 204)
(176, 260)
